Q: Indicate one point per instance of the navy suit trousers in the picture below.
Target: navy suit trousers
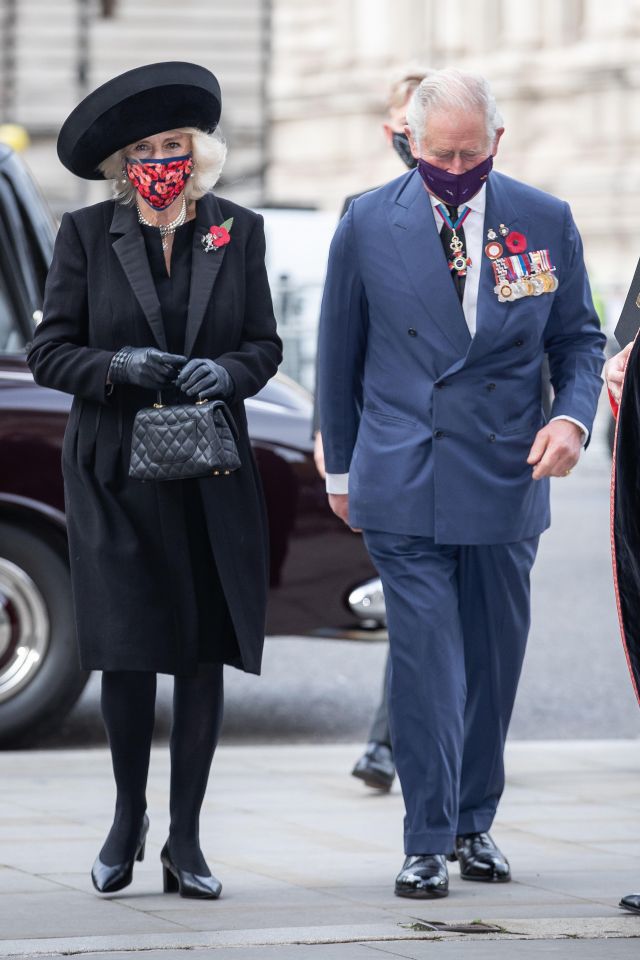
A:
(458, 621)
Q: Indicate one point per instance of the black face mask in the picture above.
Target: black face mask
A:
(402, 148)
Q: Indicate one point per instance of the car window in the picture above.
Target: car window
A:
(11, 338)
(38, 263)
(14, 302)
(35, 217)
(22, 294)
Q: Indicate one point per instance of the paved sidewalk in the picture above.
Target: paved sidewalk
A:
(308, 856)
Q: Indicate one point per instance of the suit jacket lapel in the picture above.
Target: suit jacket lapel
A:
(204, 267)
(131, 252)
(416, 236)
(491, 315)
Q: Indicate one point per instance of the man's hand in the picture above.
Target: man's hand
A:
(614, 371)
(318, 455)
(339, 503)
(556, 449)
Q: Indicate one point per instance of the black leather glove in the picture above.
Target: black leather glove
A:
(145, 367)
(206, 379)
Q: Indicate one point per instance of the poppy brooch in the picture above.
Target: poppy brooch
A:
(516, 242)
(218, 236)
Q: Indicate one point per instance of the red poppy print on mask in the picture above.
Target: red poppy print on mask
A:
(159, 182)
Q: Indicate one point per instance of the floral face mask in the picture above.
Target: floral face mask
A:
(159, 182)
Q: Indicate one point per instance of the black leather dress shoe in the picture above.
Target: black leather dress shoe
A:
(631, 902)
(376, 767)
(184, 882)
(480, 859)
(110, 879)
(423, 877)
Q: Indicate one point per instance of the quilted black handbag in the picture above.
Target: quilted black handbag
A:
(183, 441)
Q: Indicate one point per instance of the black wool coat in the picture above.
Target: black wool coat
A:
(133, 585)
(625, 515)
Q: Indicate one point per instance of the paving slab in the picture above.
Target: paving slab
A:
(562, 949)
(405, 942)
(307, 857)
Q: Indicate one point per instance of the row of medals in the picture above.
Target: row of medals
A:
(543, 281)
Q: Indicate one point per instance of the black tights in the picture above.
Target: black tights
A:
(128, 708)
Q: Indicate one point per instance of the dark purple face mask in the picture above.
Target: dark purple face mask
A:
(455, 188)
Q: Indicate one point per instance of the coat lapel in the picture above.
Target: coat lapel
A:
(416, 236)
(204, 267)
(491, 315)
(131, 252)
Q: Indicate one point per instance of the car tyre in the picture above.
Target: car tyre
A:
(40, 674)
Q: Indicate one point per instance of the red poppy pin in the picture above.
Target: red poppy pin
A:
(516, 242)
(218, 236)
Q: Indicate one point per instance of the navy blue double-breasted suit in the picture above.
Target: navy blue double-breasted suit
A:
(434, 428)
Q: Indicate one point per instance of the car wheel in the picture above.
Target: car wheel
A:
(40, 675)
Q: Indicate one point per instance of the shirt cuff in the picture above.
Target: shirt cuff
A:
(585, 432)
(337, 483)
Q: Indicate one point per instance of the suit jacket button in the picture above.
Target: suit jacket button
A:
(492, 438)
(491, 386)
(518, 343)
(439, 434)
(441, 384)
(412, 332)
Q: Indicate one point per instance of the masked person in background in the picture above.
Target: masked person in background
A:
(163, 288)
(376, 767)
(444, 290)
(393, 127)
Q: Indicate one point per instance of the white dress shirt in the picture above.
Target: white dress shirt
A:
(473, 228)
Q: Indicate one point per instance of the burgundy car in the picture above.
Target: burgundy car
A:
(322, 582)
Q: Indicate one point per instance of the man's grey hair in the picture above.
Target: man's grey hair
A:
(452, 90)
(209, 153)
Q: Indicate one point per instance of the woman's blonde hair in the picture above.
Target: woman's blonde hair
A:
(209, 153)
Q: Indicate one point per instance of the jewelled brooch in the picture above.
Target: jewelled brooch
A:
(218, 236)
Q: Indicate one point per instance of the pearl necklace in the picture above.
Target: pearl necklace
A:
(167, 229)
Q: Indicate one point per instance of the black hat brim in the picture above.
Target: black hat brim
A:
(134, 105)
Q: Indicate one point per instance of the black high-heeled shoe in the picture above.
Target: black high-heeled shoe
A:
(109, 879)
(187, 884)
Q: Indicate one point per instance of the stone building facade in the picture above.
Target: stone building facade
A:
(304, 84)
(566, 74)
(51, 53)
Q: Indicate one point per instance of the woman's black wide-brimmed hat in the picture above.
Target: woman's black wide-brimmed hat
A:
(137, 104)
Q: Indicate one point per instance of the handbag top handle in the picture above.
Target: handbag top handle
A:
(159, 404)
